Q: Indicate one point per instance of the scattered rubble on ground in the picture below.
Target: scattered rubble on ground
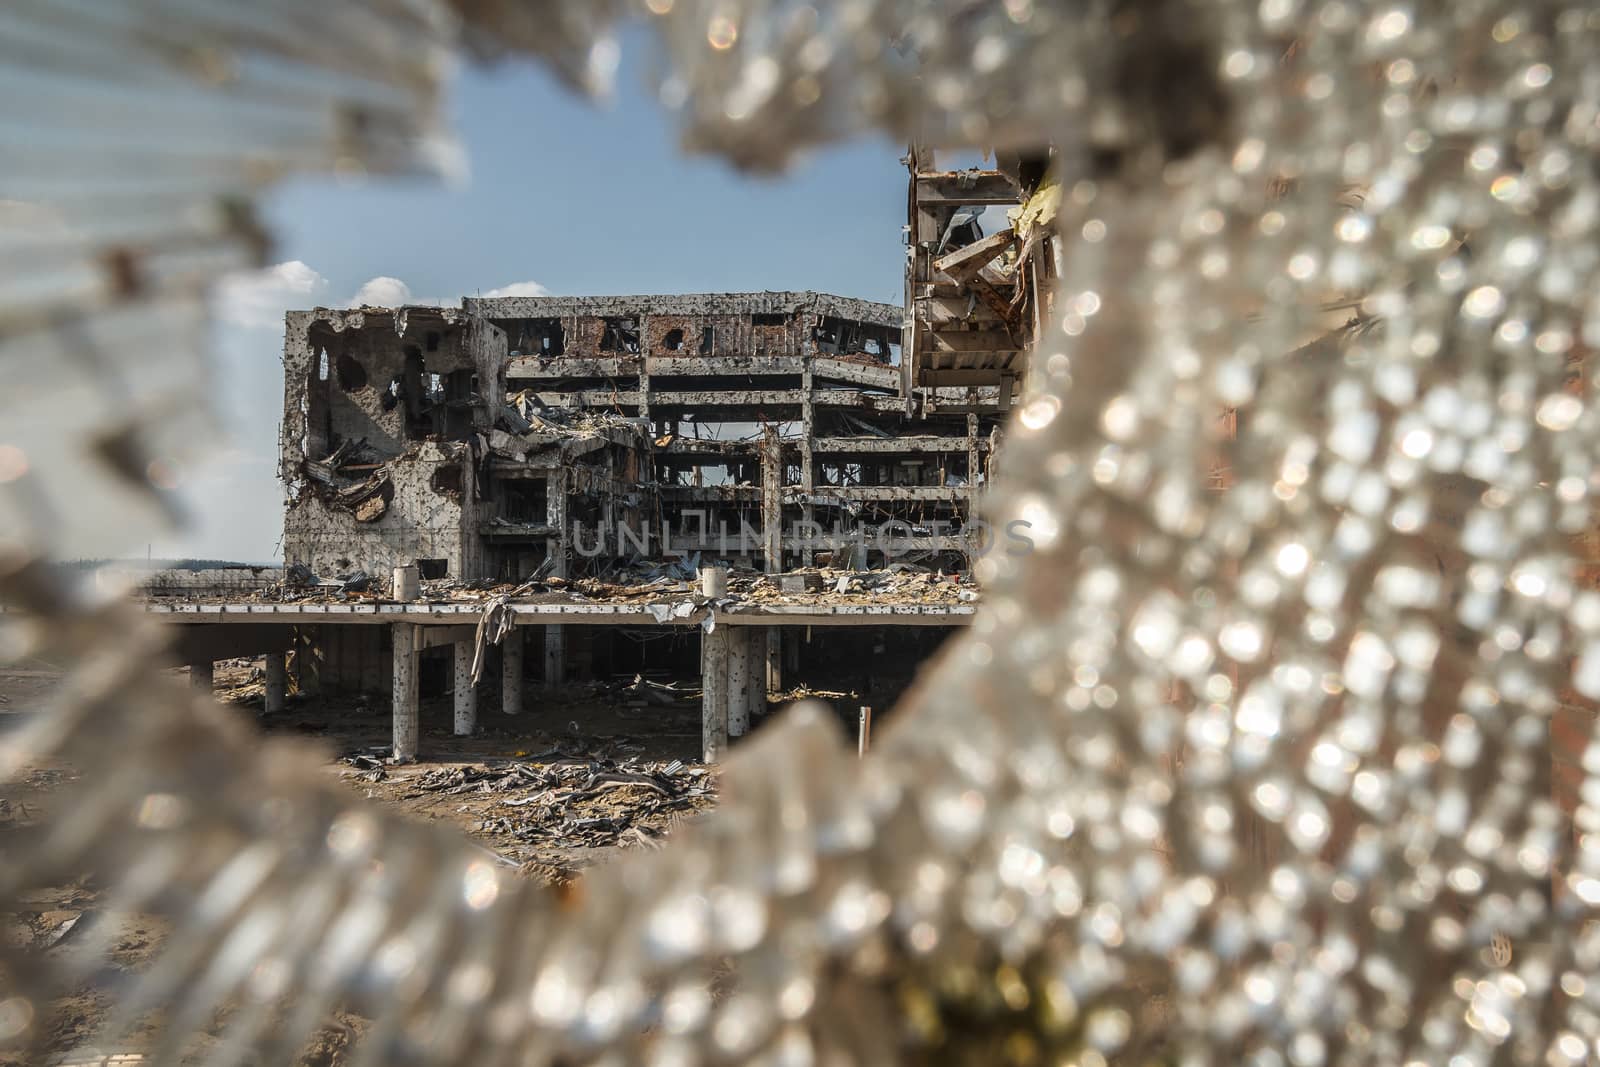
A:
(553, 808)
(642, 582)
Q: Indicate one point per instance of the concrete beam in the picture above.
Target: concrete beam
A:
(633, 613)
(544, 368)
(844, 370)
(210, 642)
(966, 187)
(277, 690)
(714, 366)
(714, 693)
(956, 310)
(889, 492)
(894, 445)
(977, 341)
(439, 636)
(590, 398)
(727, 398)
(995, 376)
(710, 492)
(511, 649)
(407, 713)
(966, 262)
(464, 692)
(854, 398)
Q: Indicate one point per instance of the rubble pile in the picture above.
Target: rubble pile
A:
(567, 804)
(653, 582)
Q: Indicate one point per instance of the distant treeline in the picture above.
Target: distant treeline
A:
(158, 564)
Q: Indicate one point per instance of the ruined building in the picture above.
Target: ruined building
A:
(524, 446)
(551, 435)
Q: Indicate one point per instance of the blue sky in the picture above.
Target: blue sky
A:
(564, 196)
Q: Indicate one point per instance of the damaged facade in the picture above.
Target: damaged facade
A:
(571, 436)
(385, 417)
(563, 454)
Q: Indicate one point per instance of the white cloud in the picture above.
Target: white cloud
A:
(257, 299)
(519, 289)
(382, 291)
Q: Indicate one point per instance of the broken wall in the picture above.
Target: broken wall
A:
(431, 512)
(710, 324)
(383, 414)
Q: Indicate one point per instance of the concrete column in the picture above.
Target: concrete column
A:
(308, 660)
(714, 689)
(739, 681)
(466, 694)
(772, 500)
(200, 676)
(277, 682)
(714, 582)
(407, 716)
(774, 647)
(755, 690)
(808, 477)
(972, 473)
(555, 655)
(511, 673)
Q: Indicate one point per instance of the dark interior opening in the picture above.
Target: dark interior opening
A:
(446, 479)
(620, 335)
(352, 375)
(542, 337)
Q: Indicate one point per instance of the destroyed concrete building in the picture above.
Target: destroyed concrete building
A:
(562, 467)
(384, 412)
(569, 436)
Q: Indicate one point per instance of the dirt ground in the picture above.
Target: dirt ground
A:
(584, 773)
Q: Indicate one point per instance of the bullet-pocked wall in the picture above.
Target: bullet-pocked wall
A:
(383, 412)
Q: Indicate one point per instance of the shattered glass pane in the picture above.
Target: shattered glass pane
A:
(1248, 775)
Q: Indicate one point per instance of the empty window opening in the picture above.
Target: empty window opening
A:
(673, 341)
(829, 336)
(352, 375)
(620, 335)
(432, 341)
(433, 568)
(765, 319)
(447, 480)
(523, 503)
(708, 338)
(322, 366)
(873, 347)
(543, 337)
(460, 385)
